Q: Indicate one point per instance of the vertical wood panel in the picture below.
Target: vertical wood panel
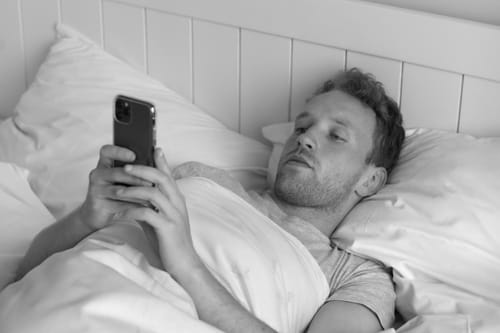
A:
(480, 112)
(124, 33)
(12, 75)
(215, 63)
(385, 70)
(312, 65)
(84, 16)
(265, 81)
(430, 98)
(39, 20)
(169, 51)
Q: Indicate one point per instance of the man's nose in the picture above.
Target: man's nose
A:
(306, 142)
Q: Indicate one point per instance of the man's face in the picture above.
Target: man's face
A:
(326, 155)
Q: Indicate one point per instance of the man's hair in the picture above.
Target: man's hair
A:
(389, 133)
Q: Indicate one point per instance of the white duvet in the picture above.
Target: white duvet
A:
(107, 283)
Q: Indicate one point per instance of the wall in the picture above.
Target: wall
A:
(486, 11)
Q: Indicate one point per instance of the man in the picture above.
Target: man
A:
(344, 145)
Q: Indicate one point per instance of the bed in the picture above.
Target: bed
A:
(227, 77)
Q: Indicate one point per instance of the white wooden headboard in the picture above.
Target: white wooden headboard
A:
(252, 63)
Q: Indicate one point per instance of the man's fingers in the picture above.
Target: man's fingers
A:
(110, 192)
(116, 175)
(161, 162)
(169, 187)
(153, 175)
(165, 183)
(143, 214)
(110, 153)
(151, 195)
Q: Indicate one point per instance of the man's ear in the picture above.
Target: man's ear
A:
(374, 179)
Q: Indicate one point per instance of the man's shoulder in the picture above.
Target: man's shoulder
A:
(364, 281)
(217, 175)
(352, 261)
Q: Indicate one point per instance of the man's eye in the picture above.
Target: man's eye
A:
(335, 136)
(300, 130)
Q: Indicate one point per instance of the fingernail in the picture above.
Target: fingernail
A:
(128, 167)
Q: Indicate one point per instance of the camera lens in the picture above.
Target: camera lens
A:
(122, 111)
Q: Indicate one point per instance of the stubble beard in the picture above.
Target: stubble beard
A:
(310, 192)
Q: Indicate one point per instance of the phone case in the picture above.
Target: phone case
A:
(134, 128)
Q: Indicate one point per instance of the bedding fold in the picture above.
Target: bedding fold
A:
(109, 282)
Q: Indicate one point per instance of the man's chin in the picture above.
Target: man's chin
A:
(291, 177)
(292, 193)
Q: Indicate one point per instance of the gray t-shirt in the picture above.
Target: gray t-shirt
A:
(351, 278)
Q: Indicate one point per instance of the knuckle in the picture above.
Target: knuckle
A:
(104, 150)
(146, 213)
(93, 205)
(164, 178)
(93, 174)
(154, 194)
(116, 190)
(159, 194)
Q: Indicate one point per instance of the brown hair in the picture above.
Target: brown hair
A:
(389, 132)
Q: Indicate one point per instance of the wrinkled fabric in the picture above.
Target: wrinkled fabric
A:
(108, 282)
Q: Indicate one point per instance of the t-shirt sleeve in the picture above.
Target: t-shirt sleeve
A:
(369, 284)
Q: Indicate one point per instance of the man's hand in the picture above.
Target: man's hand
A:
(166, 214)
(102, 202)
(97, 212)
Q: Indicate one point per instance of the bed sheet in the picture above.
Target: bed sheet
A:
(108, 282)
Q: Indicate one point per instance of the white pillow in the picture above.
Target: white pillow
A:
(436, 222)
(439, 213)
(277, 134)
(23, 216)
(66, 116)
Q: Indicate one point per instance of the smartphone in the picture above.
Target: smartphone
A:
(134, 127)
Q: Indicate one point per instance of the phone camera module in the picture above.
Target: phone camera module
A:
(122, 111)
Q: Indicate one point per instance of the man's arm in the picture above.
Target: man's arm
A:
(363, 300)
(344, 317)
(57, 237)
(215, 305)
(95, 213)
(168, 216)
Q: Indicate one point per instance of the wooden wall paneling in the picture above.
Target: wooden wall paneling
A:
(430, 97)
(435, 41)
(84, 16)
(312, 64)
(169, 50)
(265, 81)
(480, 111)
(215, 65)
(124, 33)
(12, 75)
(385, 70)
(39, 19)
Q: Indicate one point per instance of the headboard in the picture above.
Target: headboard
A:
(252, 63)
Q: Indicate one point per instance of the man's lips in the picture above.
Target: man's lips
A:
(299, 160)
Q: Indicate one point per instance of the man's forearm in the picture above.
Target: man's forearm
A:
(57, 237)
(216, 306)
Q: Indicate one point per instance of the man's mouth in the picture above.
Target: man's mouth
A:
(299, 160)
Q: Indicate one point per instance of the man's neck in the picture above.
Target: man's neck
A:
(325, 219)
